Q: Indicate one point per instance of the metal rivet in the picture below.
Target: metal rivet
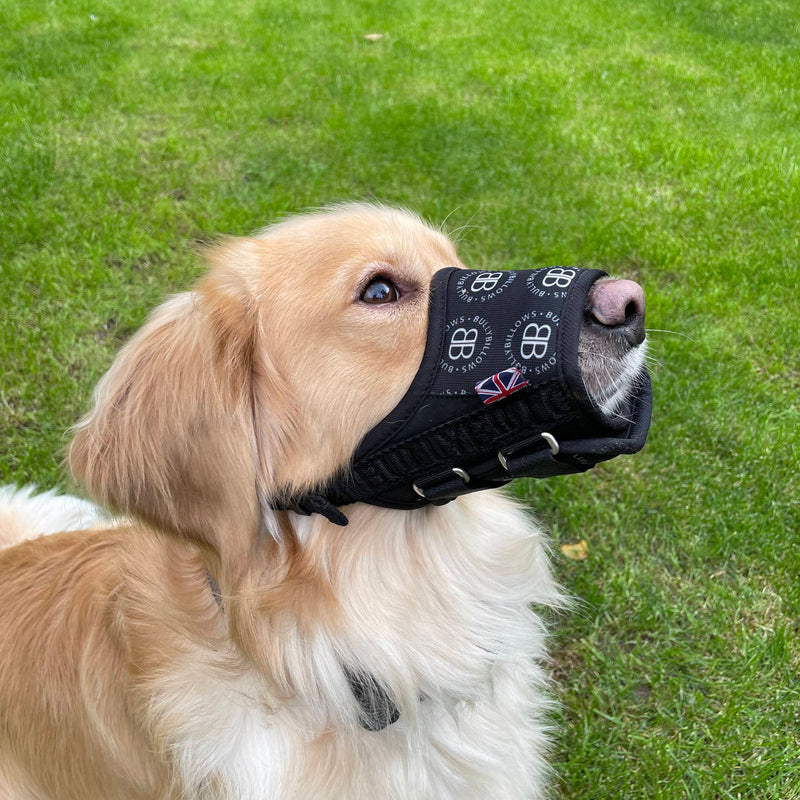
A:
(418, 490)
(502, 459)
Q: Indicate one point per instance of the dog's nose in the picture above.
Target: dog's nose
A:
(619, 305)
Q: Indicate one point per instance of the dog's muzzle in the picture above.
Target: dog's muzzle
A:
(498, 395)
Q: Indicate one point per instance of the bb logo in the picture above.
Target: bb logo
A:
(462, 343)
(486, 281)
(534, 342)
(481, 287)
(558, 278)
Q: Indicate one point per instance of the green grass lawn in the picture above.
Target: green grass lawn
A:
(659, 139)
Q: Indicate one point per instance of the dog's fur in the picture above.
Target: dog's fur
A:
(122, 678)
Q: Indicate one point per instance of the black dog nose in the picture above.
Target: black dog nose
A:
(619, 305)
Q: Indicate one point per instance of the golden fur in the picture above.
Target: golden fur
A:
(122, 679)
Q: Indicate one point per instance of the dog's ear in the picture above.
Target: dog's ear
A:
(183, 432)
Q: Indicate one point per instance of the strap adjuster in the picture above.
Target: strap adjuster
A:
(551, 440)
(428, 490)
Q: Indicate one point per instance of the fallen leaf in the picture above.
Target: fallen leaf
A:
(373, 37)
(576, 552)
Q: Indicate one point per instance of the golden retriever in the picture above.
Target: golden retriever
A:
(206, 648)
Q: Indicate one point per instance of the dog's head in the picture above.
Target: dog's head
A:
(269, 374)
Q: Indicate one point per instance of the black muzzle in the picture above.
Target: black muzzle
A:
(498, 395)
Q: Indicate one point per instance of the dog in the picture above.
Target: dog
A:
(206, 645)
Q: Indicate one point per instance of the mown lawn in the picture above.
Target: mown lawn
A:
(659, 139)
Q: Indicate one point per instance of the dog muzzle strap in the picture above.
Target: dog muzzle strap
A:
(498, 396)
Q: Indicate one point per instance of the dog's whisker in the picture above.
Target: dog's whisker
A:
(443, 223)
(455, 233)
(673, 333)
(457, 236)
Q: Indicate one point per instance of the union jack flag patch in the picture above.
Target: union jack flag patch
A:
(501, 385)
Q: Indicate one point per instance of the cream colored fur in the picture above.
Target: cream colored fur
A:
(120, 676)
(25, 515)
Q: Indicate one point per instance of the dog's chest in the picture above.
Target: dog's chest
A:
(449, 749)
(447, 632)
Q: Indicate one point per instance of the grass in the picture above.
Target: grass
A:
(659, 139)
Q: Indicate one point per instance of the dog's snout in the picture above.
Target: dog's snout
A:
(619, 305)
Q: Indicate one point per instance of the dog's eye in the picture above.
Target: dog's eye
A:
(380, 290)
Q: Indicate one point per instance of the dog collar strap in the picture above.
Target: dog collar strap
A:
(498, 395)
